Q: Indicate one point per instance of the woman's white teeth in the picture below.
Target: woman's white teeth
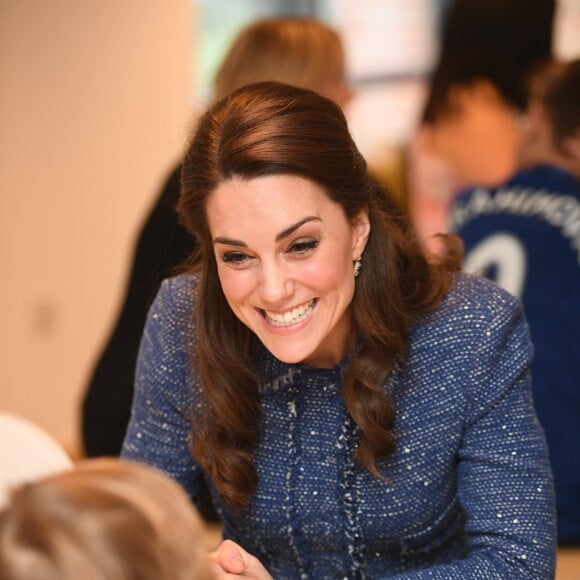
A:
(292, 316)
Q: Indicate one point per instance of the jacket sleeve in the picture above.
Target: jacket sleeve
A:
(504, 479)
(161, 416)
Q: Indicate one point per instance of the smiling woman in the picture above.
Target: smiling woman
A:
(355, 410)
(290, 280)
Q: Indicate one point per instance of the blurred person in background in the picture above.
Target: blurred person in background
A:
(469, 131)
(525, 235)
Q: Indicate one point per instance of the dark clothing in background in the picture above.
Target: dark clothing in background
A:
(162, 245)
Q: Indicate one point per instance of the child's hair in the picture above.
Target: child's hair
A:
(104, 520)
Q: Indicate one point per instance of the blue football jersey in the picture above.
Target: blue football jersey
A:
(525, 235)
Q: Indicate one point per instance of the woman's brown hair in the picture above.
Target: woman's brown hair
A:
(272, 129)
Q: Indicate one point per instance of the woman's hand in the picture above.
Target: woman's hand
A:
(230, 561)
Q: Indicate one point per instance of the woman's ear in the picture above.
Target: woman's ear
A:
(361, 229)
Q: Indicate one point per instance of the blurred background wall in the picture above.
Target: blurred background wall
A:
(94, 105)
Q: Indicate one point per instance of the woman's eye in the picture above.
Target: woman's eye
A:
(301, 247)
(234, 258)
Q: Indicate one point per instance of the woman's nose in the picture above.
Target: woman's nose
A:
(275, 283)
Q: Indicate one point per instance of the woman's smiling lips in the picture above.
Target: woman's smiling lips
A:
(290, 317)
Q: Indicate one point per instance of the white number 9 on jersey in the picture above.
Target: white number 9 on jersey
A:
(503, 253)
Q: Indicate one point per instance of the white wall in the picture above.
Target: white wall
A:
(94, 107)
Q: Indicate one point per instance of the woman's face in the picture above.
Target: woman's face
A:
(285, 255)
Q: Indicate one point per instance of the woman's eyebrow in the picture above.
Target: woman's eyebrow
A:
(229, 242)
(283, 234)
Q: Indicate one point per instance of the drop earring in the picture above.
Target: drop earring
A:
(357, 266)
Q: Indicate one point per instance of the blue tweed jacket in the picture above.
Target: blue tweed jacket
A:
(469, 491)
